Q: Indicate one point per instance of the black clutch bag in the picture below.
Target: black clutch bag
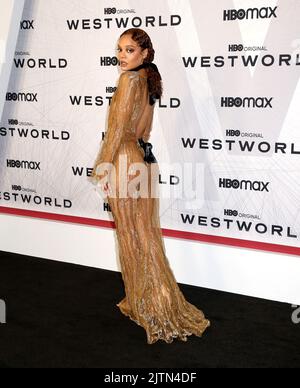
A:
(147, 147)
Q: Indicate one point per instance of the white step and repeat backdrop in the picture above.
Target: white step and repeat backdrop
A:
(230, 106)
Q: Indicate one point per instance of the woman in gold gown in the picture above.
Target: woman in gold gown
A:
(152, 296)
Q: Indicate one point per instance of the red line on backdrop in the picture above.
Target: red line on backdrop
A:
(166, 232)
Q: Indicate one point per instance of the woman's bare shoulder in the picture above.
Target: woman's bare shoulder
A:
(127, 78)
(129, 74)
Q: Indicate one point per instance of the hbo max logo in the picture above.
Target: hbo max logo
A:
(23, 164)
(243, 185)
(26, 97)
(247, 102)
(251, 13)
(27, 25)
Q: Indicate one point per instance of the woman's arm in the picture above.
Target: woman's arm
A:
(119, 119)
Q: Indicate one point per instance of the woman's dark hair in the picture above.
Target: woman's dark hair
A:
(144, 41)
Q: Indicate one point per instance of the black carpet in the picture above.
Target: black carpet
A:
(64, 315)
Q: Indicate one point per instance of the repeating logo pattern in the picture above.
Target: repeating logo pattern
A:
(229, 112)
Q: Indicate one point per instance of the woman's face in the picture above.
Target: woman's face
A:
(130, 54)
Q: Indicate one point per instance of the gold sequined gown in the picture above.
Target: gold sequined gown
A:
(152, 297)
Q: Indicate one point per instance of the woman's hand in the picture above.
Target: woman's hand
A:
(105, 188)
(103, 181)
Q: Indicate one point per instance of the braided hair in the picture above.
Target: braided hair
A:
(154, 78)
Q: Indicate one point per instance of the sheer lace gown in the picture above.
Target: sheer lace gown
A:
(152, 296)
